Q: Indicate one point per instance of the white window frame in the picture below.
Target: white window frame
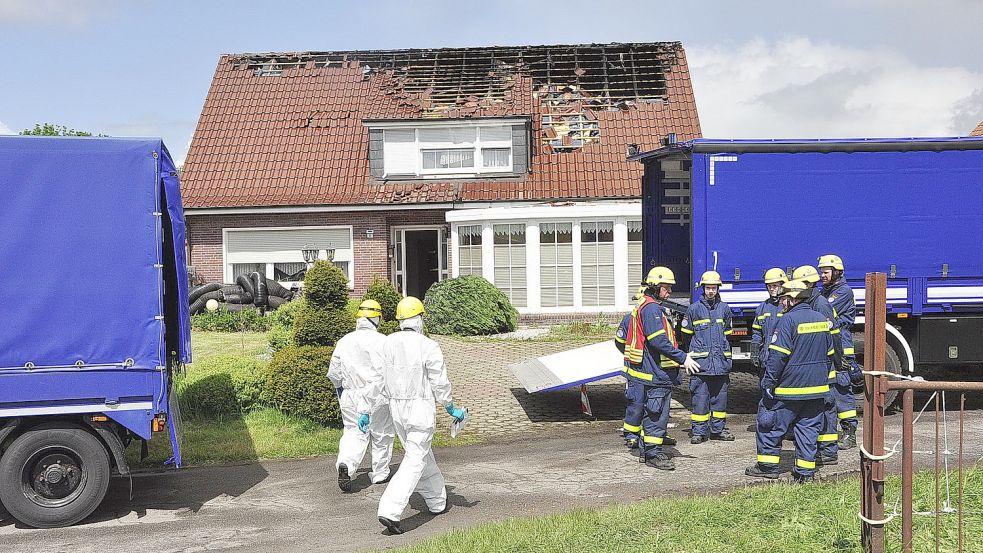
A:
(345, 254)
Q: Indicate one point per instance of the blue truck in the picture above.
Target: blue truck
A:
(95, 317)
(911, 208)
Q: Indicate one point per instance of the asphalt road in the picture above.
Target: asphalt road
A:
(296, 505)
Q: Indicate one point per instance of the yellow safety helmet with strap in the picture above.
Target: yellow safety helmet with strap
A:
(368, 309)
(710, 277)
(795, 289)
(775, 275)
(637, 296)
(409, 307)
(830, 260)
(806, 273)
(660, 275)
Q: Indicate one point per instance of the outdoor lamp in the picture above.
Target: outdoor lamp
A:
(329, 254)
(310, 253)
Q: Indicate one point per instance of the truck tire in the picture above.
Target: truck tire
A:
(54, 475)
(892, 363)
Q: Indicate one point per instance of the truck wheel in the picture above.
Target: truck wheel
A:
(892, 363)
(53, 476)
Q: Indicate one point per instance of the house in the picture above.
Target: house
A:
(978, 131)
(419, 165)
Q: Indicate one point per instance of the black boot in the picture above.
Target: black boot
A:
(391, 525)
(631, 443)
(668, 440)
(661, 461)
(849, 440)
(344, 479)
(697, 439)
(801, 478)
(724, 436)
(755, 470)
(824, 460)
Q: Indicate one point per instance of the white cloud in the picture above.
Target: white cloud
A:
(799, 88)
(71, 12)
(4, 129)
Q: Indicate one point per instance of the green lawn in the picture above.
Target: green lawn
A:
(777, 518)
(207, 344)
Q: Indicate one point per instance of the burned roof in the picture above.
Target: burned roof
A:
(287, 128)
(978, 131)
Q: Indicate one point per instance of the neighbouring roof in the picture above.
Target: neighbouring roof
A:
(978, 131)
(286, 129)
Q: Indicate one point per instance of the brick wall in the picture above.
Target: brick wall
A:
(371, 255)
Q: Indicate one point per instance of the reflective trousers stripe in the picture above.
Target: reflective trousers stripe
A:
(719, 415)
(831, 375)
(802, 391)
(700, 418)
(849, 351)
(769, 459)
(631, 428)
(652, 440)
(803, 464)
(636, 374)
(829, 437)
(847, 414)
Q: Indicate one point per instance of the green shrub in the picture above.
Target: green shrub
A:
(384, 291)
(221, 385)
(284, 315)
(388, 327)
(319, 327)
(468, 306)
(326, 286)
(223, 320)
(297, 384)
(280, 337)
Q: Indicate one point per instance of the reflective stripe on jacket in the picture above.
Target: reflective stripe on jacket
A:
(661, 356)
(763, 326)
(799, 360)
(821, 305)
(840, 298)
(708, 325)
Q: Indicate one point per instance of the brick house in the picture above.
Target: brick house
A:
(419, 165)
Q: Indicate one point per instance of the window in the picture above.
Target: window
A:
(510, 262)
(469, 250)
(452, 150)
(556, 264)
(597, 263)
(635, 275)
(277, 252)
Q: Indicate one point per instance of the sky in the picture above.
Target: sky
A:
(759, 68)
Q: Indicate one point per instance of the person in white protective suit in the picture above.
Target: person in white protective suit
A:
(413, 377)
(356, 365)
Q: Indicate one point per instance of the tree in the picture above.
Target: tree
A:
(48, 129)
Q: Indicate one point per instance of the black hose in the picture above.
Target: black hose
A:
(237, 297)
(276, 302)
(261, 296)
(247, 284)
(277, 290)
(203, 289)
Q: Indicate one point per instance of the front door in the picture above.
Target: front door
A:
(420, 259)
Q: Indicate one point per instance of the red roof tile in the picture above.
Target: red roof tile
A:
(978, 131)
(298, 138)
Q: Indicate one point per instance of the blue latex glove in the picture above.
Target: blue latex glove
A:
(339, 390)
(458, 414)
(363, 422)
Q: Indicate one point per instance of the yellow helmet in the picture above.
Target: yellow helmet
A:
(775, 275)
(409, 307)
(637, 296)
(795, 289)
(710, 277)
(369, 309)
(806, 273)
(660, 275)
(831, 260)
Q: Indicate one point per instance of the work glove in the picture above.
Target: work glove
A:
(691, 366)
(458, 414)
(339, 390)
(363, 422)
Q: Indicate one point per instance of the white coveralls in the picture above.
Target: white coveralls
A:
(414, 376)
(356, 365)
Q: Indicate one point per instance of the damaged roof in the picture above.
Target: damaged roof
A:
(978, 131)
(287, 129)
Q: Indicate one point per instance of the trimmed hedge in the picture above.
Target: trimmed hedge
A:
(284, 315)
(468, 306)
(326, 286)
(388, 327)
(319, 327)
(221, 385)
(384, 291)
(223, 320)
(297, 384)
(280, 337)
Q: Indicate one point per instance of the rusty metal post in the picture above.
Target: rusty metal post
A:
(938, 460)
(907, 470)
(962, 420)
(872, 471)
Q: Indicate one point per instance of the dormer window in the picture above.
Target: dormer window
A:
(449, 148)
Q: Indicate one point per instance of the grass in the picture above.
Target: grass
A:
(206, 344)
(769, 518)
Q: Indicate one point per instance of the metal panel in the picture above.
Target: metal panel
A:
(950, 340)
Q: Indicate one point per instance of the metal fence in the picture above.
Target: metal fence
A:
(879, 385)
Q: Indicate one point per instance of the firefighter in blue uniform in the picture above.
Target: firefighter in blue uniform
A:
(840, 296)
(634, 392)
(794, 386)
(828, 439)
(653, 359)
(708, 323)
(766, 317)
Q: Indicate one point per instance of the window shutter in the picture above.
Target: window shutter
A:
(399, 152)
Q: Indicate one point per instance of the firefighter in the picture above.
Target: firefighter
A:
(766, 317)
(653, 360)
(708, 324)
(794, 387)
(828, 439)
(632, 426)
(840, 296)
